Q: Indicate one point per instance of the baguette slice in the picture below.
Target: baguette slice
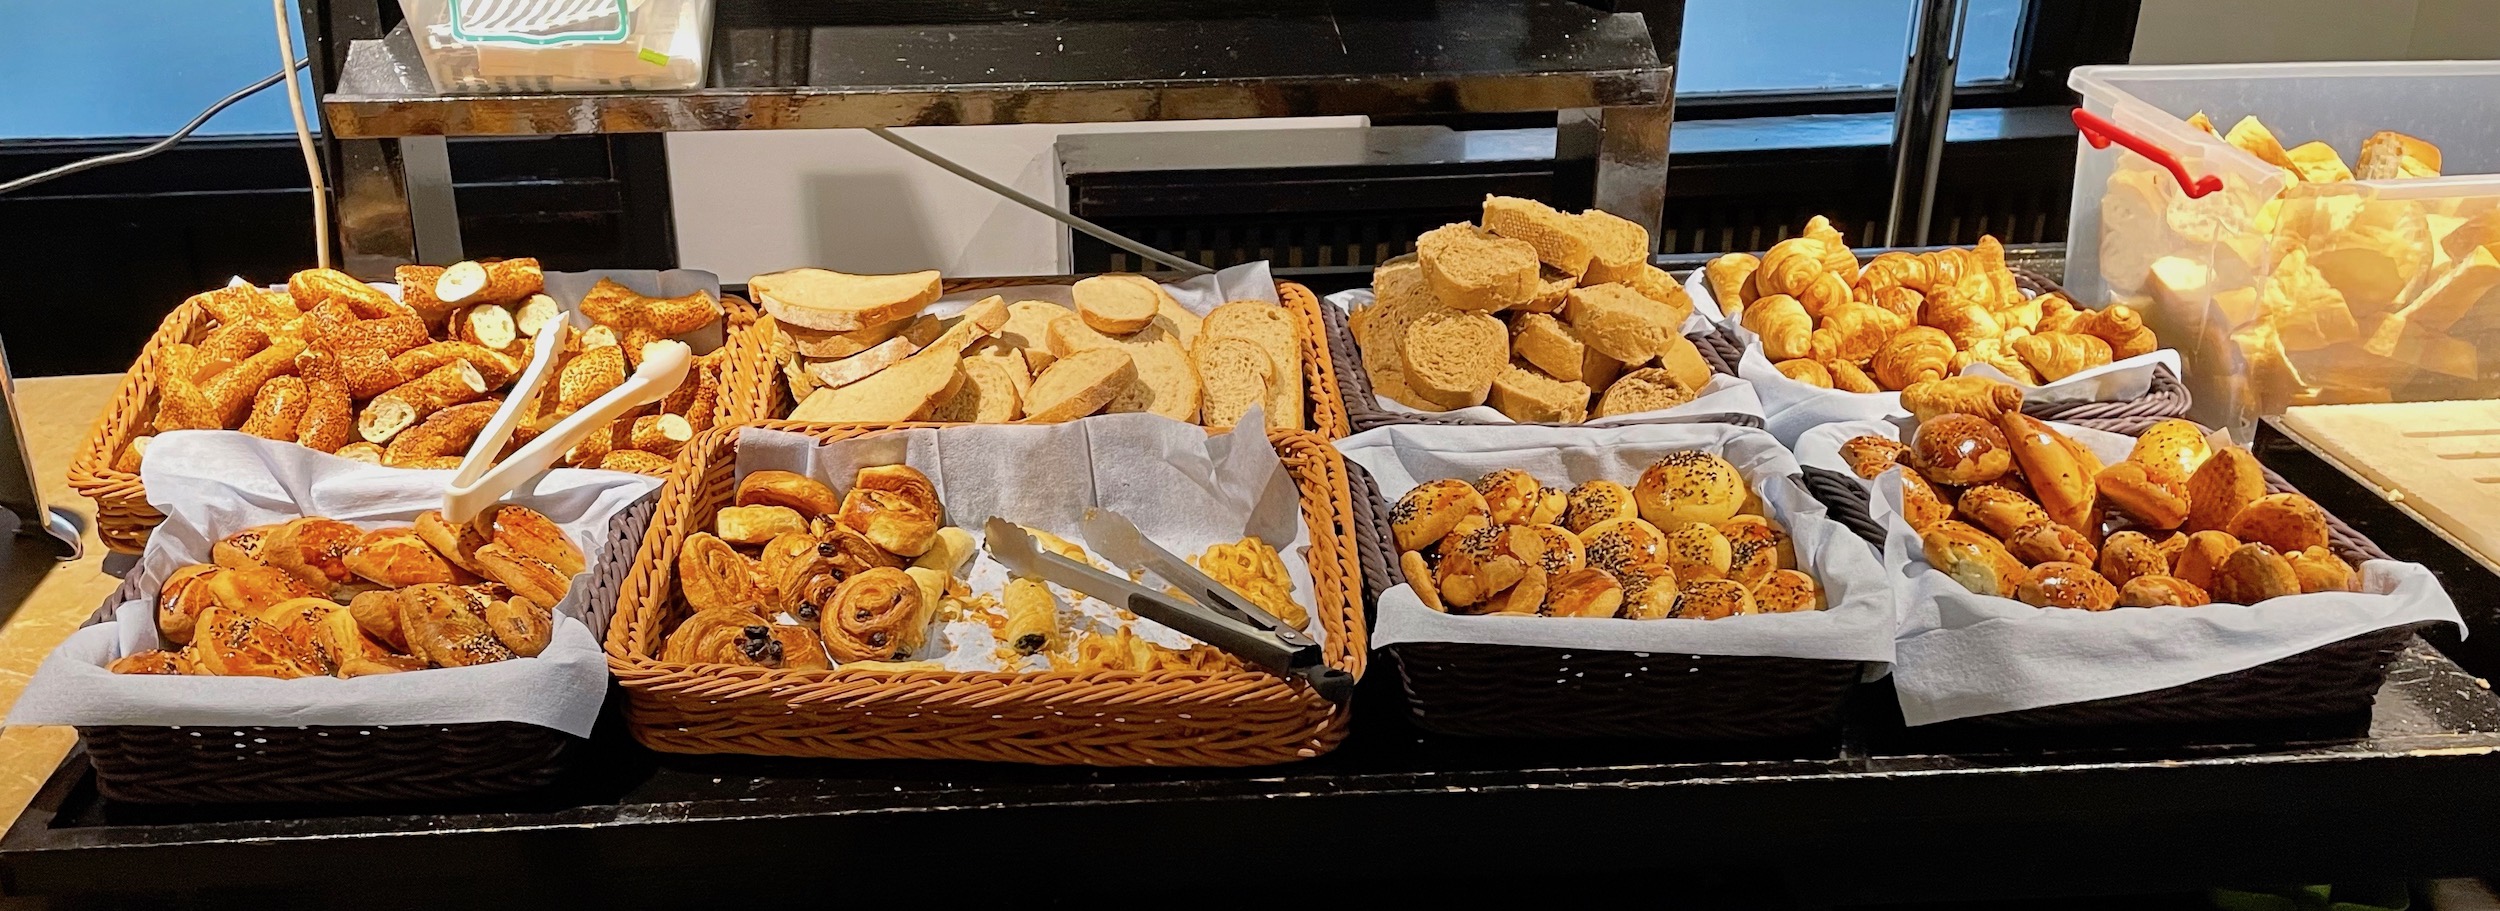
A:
(1272, 327)
(1555, 236)
(1233, 374)
(1617, 248)
(840, 372)
(1617, 320)
(987, 396)
(1549, 344)
(902, 392)
(1184, 323)
(1525, 394)
(1079, 384)
(1028, 327)
(1009, 357)
(1119, 303)
(1469, 269)
(1646, 389)
(819, 343)
(979, 321)
(1166, 384)
(1452, 356)
(839, 301)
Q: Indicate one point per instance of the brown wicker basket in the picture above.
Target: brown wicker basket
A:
(2333, 679)
(1231, 718)
(124, 518)
(1319, 375)
(1474, 690)
(1364, 412)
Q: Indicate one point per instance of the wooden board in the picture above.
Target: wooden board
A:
(2437, 461)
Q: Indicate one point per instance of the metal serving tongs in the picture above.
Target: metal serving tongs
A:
(1211, 613)
(479, 482)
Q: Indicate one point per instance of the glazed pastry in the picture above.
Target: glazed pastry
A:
(1712, 599)
(1525, 597)
(1550, 505)
(801, 648)
(753, 525)
(2067, 585)
(181, 599)
(808, 496)
(1649, 591)
(313, 549)
(231, 643)
(1696, 551)
(1621, 543)
(1787, 591)
(1548, 547)
(1419, 577)
(457, 543)
(242, 548)
(2129, 554)
(2058, 469)
(354, 654)
(2203, 557)
(396, 557)
(522, 625)
(715, 576)
(1583, 593)
(791, 573)
(529, 576)
(1756, 549)
(2058, 355)
(301, 621)
(2221, 487)
(1922, 504)
(2288, 522)
(443, 625)
(377, 613)
(1960, 449)
(254, 589)
(729, 637)
(1433, 509)
(1510, 495)
(2320, 570)
(910, 488)
(2171, 450)
(1476, 566)
(1998, 509)
(1032, 616)
(152, 661)
(1689, 486)
(2131, 487)
(1591, 503)
(1972, 395)
(1913, 354)
(2253, 573)
(2161, 591)
(527, 532)
(1972, 558)
(876, 615)
(2046, 541)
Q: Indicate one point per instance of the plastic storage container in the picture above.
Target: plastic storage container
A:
(2279, 289)
(523, 46)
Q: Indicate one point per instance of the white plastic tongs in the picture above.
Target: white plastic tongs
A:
(1211, 613)
(477, 485)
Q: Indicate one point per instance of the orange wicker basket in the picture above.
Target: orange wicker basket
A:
(124, 518)
(1164, 718)
(1319, 373)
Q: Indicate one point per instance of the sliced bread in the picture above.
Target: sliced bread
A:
(1118, 304)
(1617, 248)
(1166, 384)
(902, 392)
(1008, 356)
(1028, 327)
(1617, 320)
(1184, 324)
(1646, 389)
(1549, 344)
(1470, 269)
(1233, 375)
(839, 301)
(1554, 235)
(1552, 289)
(1272, 327)
(1654, 283)
(1598, 370)
(818, 343)
(1079, 384)
(1450, 357)
(1682, 360)
(979, 321)
(987, 396)
(840, 372)
(1525, 394)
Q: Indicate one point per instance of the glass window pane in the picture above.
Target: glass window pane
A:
(1738, 46)
(110, 68)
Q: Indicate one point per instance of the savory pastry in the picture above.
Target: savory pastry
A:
(1922, 504)
(444, 625)
(152, 661)
(807, 496)
(1696, 551)
(1257, 572)
(1419, 577)
(1649, 591)
(752, 525)
(1756, 548)
(1477, 565)
(875, 615)
(242, 548)
(181, 599)
(2203, 557)
(1619, 543)
(2046, 540)
(1712, 599)
(2161, 591)
(2227, 482)
(1998, 509)
(522, 625)
(2129, 554)
(1591, 503)
(2067, 585)
(1525, 597)
(714, 576)
(232, 643)
(2171, 450)
(1787, 591)
(1584, 593)
(1547, 547)
(1973, 558)
(397, 557)
(2320, 570)
(2253, 573)
(1960, 449)
(2132, 487)
(2059, 470)
(1432, 510)
(314, 550)
(1511, 495)
(1689, 486)
(457, 543)
(2288, 522)
(1032, 616)
(1971, 395)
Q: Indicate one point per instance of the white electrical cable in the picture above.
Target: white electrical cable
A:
(153, 148)
(303, 137)
(1104, 234)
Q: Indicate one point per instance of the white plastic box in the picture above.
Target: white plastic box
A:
(524, 46)
(2280, 291)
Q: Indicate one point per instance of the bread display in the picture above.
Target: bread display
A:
(1545, 316)
(1687, 541)
(2180, 521)
(1125, 346)
(1905, 318)
(343, 367)
(316, 597)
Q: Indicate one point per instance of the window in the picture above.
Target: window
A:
(139, 68)
(1790, 47)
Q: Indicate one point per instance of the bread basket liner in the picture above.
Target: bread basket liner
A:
(1963, 655)
(1857, 626)
(1184, 487)
(2150, 381)
(1727, 399)
(749, 388)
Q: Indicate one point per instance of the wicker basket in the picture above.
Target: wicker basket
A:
(124, 518)
(1231, 718)
(344, 763)
(1473, 690)
(2333, 679)
(1364, 412)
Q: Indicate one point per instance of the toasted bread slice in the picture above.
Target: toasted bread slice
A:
(1272, 327)
(1617, 248)
(1549, 344)
(1119, 303)
(1554, 235)
(1682, 361)
(1451, 357)
(1552, 289)
(839, 301)
(1233, 374)
(903, 392)
(1617, 320)
(1527, 395)
(1079, 384)
(1646, 389)
(1471, 269)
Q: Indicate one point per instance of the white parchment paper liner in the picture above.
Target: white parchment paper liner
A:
(1184, 488)
(213, 483)
(1857, 627)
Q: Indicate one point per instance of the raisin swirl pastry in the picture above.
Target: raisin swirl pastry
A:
(725, 637)
(715, 576)
(876, 615)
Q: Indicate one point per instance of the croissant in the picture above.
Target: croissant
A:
(2057, 314)
(1858, 331)
(1913, 354)
(1836, 256)
(1805, 370)
(1989, 255)
(1782, 323)
(2119, 325)
(1890, 271)
(1900, 302)
(1993, 353)
(2058, 355)
(1731, 281)
(1789, 267)
(1962, 319)
(1828, 291)
(1973, 395)
(1848, 377)
(2019, 314)
(1947, 266)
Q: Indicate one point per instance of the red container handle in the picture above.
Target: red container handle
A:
(2098, 131)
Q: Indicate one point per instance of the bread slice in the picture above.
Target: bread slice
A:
(1617, 320)
(840, 372)
(1682, 360)
(1028, 327)
(1617, 248)
(1079, 384)
(1119, 303)
(902, 392)
(1654, 283)
(1184, 324)
(1548, 344)
(1556, 238)
(1070, 334)
(1598, 370)
(1166, 384)
(987, 395)
(1451, 357)
(1399, 280)
(1233, 375)
(979, 321)
(1525, 394)
(1469, 269)
(818, 343)
(1008, 356)
(1272, 327)
(1552, 289)
(840, 301)
(1646, 389)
